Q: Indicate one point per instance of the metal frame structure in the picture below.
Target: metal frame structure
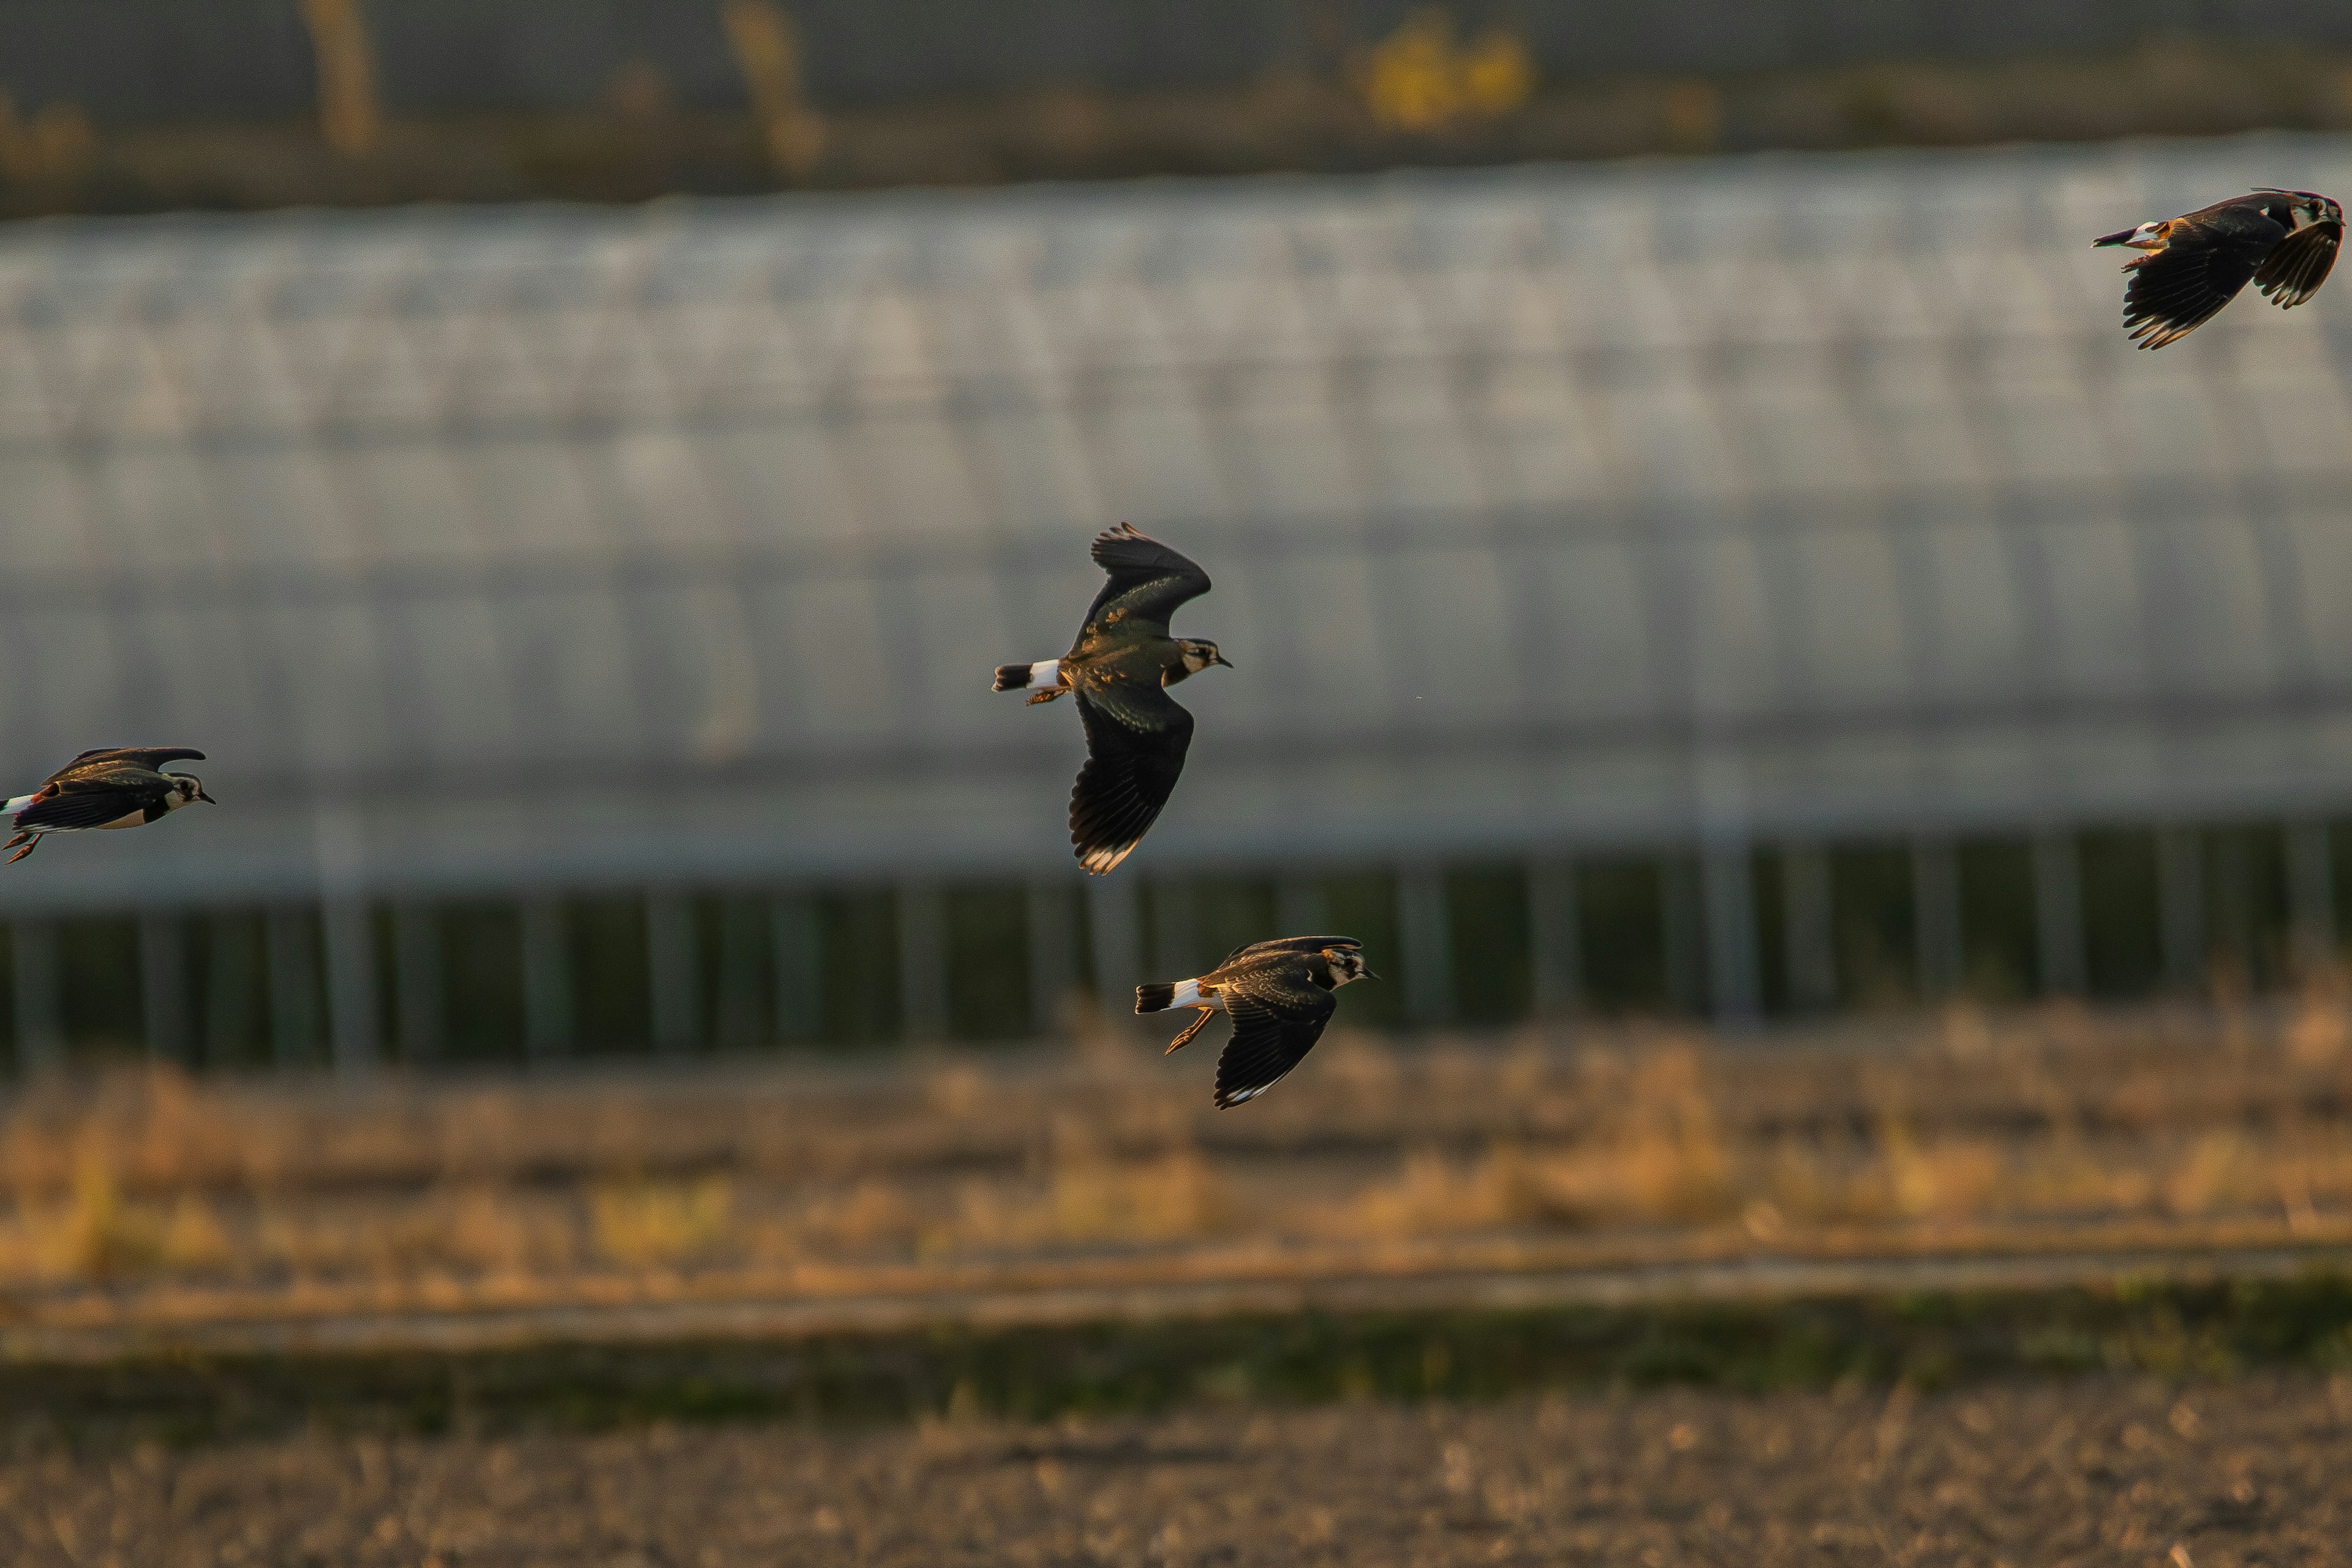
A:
(1708, 506)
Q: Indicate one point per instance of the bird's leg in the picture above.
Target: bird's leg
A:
(1190, 1029)
(1048, 695)
(31, 841)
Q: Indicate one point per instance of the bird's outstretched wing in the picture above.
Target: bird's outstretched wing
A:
(2207, 257)
(1277, 1018)
(1290, 945)
(151, 758)
(82, 803)
(2295, 272)
(1135, 741)
(1148, 580)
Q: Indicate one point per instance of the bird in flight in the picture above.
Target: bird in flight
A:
(1279, 996)
(1120, 668)
(125, 787)
(2285, 241)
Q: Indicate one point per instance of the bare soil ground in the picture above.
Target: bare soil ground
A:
(2101, 1471)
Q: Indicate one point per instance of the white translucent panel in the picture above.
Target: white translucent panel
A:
(2093, 581)
(1031, 468)
(2292, 406)
(2167, 424)
(569, 659)
(1735, 661)
(333, 676)
(528, 495)
(490, 369)
(2044, 424)
(661, 490)
(2318, 539)
(1419, 453)
(2219, 635)
(1446, 633)
(1847, 613)
(45, 521)
(1742, 297)
(944, 628)
(826, 663)
(451, 682)
(1597, 641)
(1151, 448)
(781, 483)
(1283, 444)
(1547, 452)
(906, 472)
(1662, 429)
(1921, 424)
(2001, 293)
(149, 505)
(285, 507)
(1790, 426)
(406, 503)
(1982, 639)
(1346, 670)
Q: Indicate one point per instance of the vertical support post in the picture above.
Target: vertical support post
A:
(1114, 928)
(2058, 912)
(1301, 907)
(1053, 951)
(294, 1022)
(923, 961)
(1680, 929)
(549, 1024)
(1426, 933)
(417, 959)
(1555, 939)
(2181, 900)
(163, 988)
(670, 963)
(796, 955)
(1808, 928)
(740, 1023)
(354, 1005)
(1935, 918)
(231, 1027)
(2311, 895)
(1727, 897)
(40, 997)
(2234, 898)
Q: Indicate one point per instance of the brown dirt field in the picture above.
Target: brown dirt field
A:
(2244, 1471)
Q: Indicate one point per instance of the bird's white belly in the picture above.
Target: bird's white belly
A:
(135, 819)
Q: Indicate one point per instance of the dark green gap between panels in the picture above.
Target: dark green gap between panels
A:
(2175, 1331)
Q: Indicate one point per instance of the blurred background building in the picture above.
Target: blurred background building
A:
(1740, 586)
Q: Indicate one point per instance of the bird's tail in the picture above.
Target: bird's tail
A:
(1154, 998)
(1021, 676)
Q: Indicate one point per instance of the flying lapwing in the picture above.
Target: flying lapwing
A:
(2283, 240)
(1120, 668)
(126, 787)
(1278, 994)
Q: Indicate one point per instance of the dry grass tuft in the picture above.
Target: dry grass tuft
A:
(2230, 1121)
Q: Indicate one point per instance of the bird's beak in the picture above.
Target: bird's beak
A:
(1369, 975)
(1221, 659)
(205, 798)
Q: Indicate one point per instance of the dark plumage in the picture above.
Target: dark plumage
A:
(1278, 994)
(124, 787)
(2283, 241)
(1120, 667)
